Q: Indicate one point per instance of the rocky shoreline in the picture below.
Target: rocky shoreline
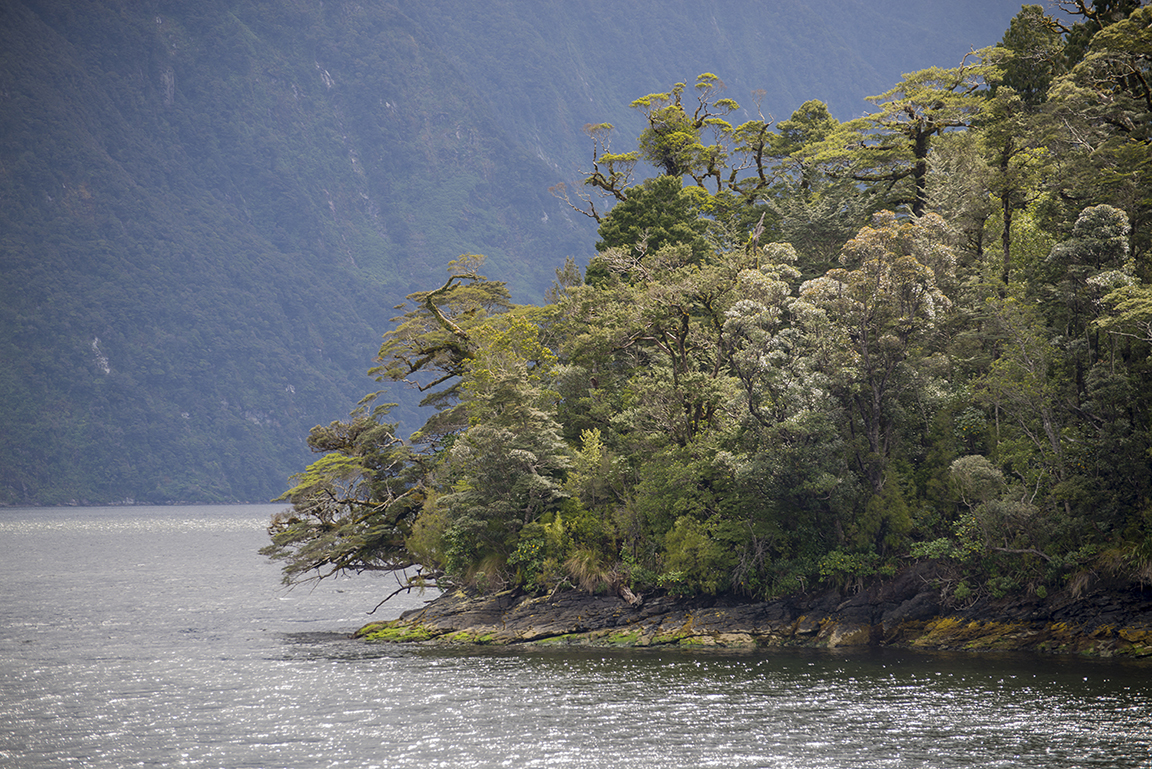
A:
(908, 612)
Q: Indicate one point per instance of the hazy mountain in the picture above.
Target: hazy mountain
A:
(207, 210)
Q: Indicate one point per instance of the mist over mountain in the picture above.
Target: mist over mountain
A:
(208, 210)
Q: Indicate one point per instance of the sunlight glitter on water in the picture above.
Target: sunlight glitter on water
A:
(135, 638)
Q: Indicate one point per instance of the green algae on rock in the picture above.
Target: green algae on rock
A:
(905, 612)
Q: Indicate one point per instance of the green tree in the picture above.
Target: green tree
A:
(885, 300)
(817, 213)
(809, 125)
(1096, 15)
(786, 458)
(431, 344)
(891, 145)
(674, 141)
(1016, 163)
(652, 215)
(1129, 312)
(506, 469)
(959, 178)
(732, 168)
(763, 355)
(610, 177)
(353, 508)
(1038, 54)
(1084, 268)
(495, 481)
(1100, 127)
(662, 313)
(1022, 392)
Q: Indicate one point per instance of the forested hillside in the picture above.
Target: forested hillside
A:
(808, 352)
(209, 208)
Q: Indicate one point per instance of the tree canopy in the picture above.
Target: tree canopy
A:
(810, 353)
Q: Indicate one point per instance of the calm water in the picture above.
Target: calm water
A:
(158, 637)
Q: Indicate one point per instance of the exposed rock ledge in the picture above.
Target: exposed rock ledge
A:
(906, 612)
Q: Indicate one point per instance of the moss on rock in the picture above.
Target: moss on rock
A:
(1107, 623)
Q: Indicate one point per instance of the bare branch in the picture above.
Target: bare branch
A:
(1024, 551)
(407, 587)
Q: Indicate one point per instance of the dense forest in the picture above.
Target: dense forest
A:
(806, 352)
(207, 209)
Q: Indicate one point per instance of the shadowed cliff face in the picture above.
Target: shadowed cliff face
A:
(906, 612)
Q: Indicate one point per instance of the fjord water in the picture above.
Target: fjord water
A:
(149, 636)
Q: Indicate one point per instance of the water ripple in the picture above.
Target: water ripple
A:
(135, 639)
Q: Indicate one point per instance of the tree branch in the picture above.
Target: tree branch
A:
(1024, 551)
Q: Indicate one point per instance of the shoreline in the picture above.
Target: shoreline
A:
(1111, 620)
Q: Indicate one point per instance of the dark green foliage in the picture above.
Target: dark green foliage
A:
(1038, 54)
(352, 509)
(713, 410)
(657, 214)
(1094, 16)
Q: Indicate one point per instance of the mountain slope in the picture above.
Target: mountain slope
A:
(208, 209)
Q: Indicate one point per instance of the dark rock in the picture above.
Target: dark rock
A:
(922, 606)
(905, 611)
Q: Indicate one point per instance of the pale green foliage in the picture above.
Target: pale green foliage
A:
(342, 476)
(594, 477)
(352, 508)
(764, 357)
(1028, 246)
(1099, 242)
(871, 315)
(675, 141)
(978, 480)
(508, 379)
(426, 541)
(997, 515)
(892, 143)
(430, 344)
(1086, 267)
(848, 570)
(1018, 386)
(1100, 123)
(937, 548)
(1129, 312)
(667, 311)
(958, 181)
(695, 562)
